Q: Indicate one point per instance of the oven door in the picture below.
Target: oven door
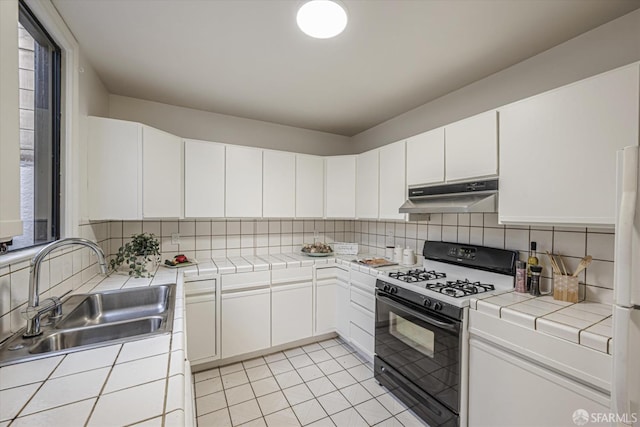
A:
(423, 347)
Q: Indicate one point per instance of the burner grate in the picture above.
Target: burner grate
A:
(417, 275)
(460, 288)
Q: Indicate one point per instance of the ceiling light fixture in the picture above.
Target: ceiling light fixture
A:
(322, 19)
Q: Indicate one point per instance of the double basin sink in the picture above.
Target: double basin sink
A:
(97, 319)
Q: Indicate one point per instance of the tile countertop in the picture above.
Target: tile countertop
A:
(585, 323)
(103, 386)
(241, 264)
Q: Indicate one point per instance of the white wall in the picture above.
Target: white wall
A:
(609, 46)
(198, 124)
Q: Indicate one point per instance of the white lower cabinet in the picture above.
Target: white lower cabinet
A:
(291, 305)
(507, 390)
(325, 302)
(246, 321)
(201, 320)
(362, 307)
(342, 303)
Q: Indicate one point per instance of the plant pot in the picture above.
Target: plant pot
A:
(150, 267)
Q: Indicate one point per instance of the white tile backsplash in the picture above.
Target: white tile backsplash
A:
(483, 229)
(203, 239)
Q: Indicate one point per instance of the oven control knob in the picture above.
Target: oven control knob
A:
(394, 290)
(437, 306)
(386, 288)
(427, 302)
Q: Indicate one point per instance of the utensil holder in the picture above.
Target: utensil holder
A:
(565, 288)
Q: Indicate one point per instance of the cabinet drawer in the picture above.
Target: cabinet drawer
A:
(254, 279)
(364, 299)
(361, 317)
(342, 274)
(326, 273)
(362, 339)
(363, 280)
(289, 275)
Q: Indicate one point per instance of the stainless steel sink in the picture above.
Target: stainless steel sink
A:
(115, 306)
(94, 320)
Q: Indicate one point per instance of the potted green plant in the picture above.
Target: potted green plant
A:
(140, 255)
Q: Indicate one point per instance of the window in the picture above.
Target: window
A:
(39, 63)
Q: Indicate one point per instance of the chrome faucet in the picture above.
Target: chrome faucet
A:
(53, 305)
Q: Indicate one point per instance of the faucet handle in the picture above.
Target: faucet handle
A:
(52, 304)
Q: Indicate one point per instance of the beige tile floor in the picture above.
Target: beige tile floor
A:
(320, 384)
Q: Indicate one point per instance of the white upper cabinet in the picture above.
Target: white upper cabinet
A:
(243, 182)
(135, 171)
(10, 222)
(393, 186)
(279, 184)
(471, 147)
(309, 186)
(367, 167)
(161, 174)
(204, 179)
(340, 176)
(425, 158)
(558, 150)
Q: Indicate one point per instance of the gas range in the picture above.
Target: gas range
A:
(453, 284)
(420, 325)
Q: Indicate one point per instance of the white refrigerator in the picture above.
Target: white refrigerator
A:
(625, 396)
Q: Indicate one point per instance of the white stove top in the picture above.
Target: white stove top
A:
(500, 282)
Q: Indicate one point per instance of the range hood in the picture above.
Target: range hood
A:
(465, 197)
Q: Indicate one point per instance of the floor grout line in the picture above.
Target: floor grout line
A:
(294, 353)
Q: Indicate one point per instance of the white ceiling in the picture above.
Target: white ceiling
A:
(247, 58)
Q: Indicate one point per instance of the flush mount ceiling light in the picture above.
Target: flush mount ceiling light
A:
(322, 19)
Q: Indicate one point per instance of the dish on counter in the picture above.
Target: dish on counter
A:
(316, 254)
(376, 262)
(179, 261)
(316, 249)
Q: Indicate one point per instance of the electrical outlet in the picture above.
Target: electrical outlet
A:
(390, 233)
(175, 238)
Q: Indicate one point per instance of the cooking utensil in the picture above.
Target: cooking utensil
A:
(554, 263)
(584, 263)
(564, 267)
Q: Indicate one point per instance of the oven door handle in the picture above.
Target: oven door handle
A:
(431, 321)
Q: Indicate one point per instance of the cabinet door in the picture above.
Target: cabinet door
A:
(558, 150)
(393, 188)
(309, 186)
(291, 313)
(325, 306)
(246, 322)
(161, 174)
(425, 158)
(115, 176)
(471, 147)
(340, 176)
(279, 184)
(201, 320)
(507, 381)
(203, 179)
(367, 173)
(342, 308)
(243, 182)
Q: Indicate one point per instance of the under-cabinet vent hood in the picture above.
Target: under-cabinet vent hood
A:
(466, 197)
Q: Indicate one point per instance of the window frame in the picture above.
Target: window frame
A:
(40, 35)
